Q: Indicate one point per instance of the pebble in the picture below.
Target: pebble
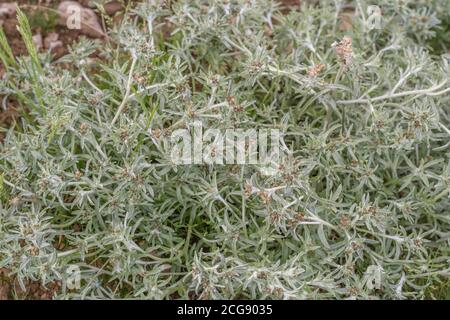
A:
(8, 9)
(89, 25)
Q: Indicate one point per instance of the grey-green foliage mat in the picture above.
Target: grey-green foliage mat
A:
(358, 207)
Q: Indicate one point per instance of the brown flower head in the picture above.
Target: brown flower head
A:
(344, 50)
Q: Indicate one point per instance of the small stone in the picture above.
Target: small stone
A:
(87, 23)
(37, 41)
(51, 41)
(8, 10)
(51, 37)
(111, 8)
(55, 44)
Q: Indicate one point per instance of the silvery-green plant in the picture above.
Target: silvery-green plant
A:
(357, 208)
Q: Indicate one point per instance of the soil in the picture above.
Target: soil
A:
(10, 288)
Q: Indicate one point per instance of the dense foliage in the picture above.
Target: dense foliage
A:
(358, 208)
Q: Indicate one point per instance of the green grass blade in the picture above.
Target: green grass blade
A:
(25, 31)
(6, 54)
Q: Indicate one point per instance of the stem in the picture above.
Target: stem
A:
(429, 92)
(83, 74)
(127, 93)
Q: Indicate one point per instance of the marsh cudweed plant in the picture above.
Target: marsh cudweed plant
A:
(358, 206)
